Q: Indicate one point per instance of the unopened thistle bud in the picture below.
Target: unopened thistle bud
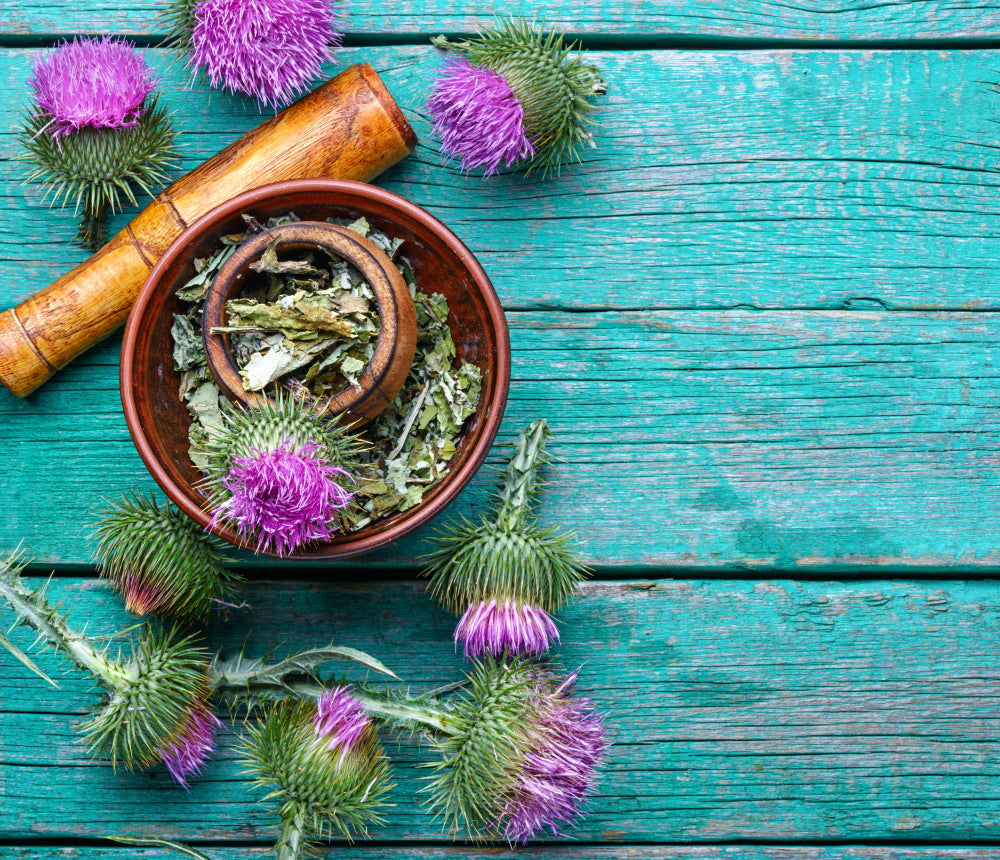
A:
(517, 97)
(160, 560)
(281, 475)
(523, 757)
(324, 766)
(95, 132)
(507, 573)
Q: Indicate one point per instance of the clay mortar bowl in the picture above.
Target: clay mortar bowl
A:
(159, 422)
(382, 379)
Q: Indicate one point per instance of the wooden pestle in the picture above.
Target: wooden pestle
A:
(349, 128)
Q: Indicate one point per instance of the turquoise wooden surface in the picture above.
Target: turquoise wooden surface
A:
(740, 710)
(762, 319)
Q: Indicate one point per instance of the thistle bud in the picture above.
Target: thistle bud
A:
(160, 560)
(506, 572)
(524, 755)
(95, 132)
(324, 766)
(516, 97)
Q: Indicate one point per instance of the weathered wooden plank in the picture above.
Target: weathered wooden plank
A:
(808, 179)
(739, 711)
(692, 440)
(839, 20)
(547, 852)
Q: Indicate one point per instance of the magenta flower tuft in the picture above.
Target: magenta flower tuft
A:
(283, 498)
(478, 118)
(189, 751)
(498, 628)
(340, 718)
(268, 49)
(101, 83)
(568, 741)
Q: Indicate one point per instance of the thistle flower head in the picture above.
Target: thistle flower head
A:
(100, 83)
(491, 628)
(188, 752)
(523, 758)
(267, 49)
(280, 474)
(154, 695)
(94, 135)
(506, 573)
(478, 118)
(160, 560)
(552, 90)
(340, 719)
(326, 780)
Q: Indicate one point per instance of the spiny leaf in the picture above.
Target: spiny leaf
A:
(25, 659)
(152, 842)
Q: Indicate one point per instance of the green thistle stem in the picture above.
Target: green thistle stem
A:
(93, 231)
(292, 842)
(521, 479)
(35, 612)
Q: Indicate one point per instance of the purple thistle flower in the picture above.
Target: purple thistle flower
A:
(478, 118)
(101, 83)
(498, 628)
(340, 718)
(567, 743)
(284, 498)
(268, 49)
(189, 751)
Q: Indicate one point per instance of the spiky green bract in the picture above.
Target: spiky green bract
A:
(267, 425)
(321, 790)
(178, 18)
(161, 683)
(160, 560)
(98, 169)
(151, 693)
(482, 756)
(507, 556)
(553, 87)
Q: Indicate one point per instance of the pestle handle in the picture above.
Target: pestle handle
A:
(349, 128)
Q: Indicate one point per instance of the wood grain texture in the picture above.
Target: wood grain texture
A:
(803, 441)
(770, 179)
(738, 710)
(691, 19)
(575, 851)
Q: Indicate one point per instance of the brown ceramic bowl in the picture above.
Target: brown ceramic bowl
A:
(159, 422)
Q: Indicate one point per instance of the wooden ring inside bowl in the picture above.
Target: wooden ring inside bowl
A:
(392, 358)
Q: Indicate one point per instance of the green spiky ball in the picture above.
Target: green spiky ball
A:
(320, 791)
(483, 755)
(156, 690)
(160, 560)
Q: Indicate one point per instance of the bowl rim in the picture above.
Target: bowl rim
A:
(490, 419)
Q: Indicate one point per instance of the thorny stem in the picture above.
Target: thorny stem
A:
(521, 478)
(33, 610)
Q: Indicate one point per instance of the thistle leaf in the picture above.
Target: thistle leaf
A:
(151, 842)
